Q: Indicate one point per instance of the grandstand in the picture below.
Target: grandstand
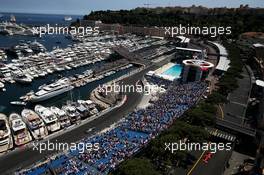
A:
(127, 138)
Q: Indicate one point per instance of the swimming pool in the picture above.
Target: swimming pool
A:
(174, 71)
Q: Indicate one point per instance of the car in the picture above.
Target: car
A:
(89, 130)
(207, 157)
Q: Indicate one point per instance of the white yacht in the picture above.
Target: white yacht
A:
(49, 91)
(22, 78)
(19, 129)
(3, 56)
(62, 116)
(72, 112)
(67, 18)
(49, 118)
(37, 47)
(18, 103)
(35, 124)
(12, 19)
(6, 141)
(2, 85)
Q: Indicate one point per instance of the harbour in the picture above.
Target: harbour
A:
(25, 71)
(78, 93)
(56, 86)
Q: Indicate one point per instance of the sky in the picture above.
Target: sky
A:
(82, 7)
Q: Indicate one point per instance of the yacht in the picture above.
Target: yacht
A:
(19, 129)
(72, 112)
(12, 19)
(2, 85)
(49, 91)
(62, 116)
(22, 79)
(6, 141)
(90, 105)
(37, 47)
(18, 103)
(35, 124)
(49, 118)
(50, 71)
(82, 110)
(3, 56)
(67, 18)
(68, 67)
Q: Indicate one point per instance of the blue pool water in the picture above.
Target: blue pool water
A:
(174, 71)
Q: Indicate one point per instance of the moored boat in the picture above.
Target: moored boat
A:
(2, 85)
(19, 129)
(35, 124)
(6, 141)
(49, 91)
(62, 116)
(49, 118)
(72, 112)
(19, 103)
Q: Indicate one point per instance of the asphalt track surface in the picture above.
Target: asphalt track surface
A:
(25, 157)
(215, 165)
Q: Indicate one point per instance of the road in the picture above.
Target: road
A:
(215, 165)
(27, 156)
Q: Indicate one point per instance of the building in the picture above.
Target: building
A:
(138, 30)
(196, 70)
(224, 62)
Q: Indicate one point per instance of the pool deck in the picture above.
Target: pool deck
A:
(164, 68)
(160, 72)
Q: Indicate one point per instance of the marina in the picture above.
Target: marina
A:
(40, 74)
(51, 87)
(82, 92)
(54, 86)
(102, 87)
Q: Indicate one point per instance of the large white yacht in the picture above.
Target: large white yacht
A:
(62, 116)
(46, 92)
(22, 78)
(6, 141)
(19, 129)
(49, 118)
(35, 124)
(72, 112)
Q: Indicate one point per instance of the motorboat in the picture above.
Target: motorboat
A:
(22, 79)
(72, 112)
(6, 141)
(49, 91)
(62, 116)
(49, 118)
(2, 85)
(34, 123)
(18, 103)
(19, 129)
(67, 18)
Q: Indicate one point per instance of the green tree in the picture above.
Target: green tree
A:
(137, 166)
